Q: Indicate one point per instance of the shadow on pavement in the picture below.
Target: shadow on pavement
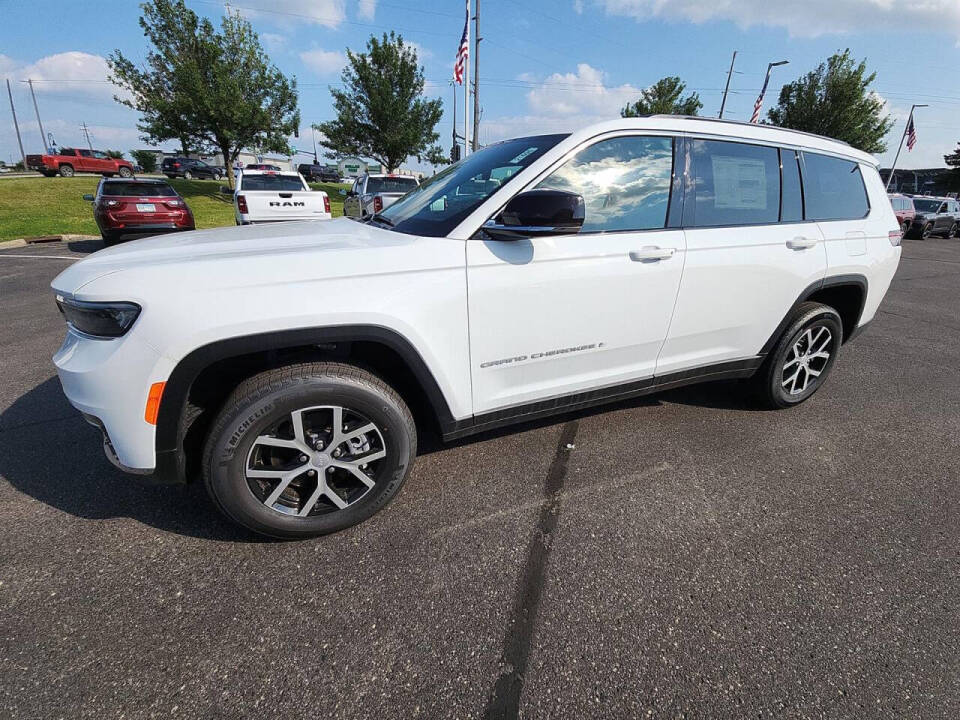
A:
(85, 246)
(51, 454)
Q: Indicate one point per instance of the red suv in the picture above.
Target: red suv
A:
(138, 207)
(904, 210)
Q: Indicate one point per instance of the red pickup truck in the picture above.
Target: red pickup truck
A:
(70, 161)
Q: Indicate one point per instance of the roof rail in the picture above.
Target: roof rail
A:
(741, 122)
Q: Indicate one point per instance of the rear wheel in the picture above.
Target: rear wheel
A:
(905, 227)
(803, 357)
(955, 230)
(66, 171)
(308, 449)
(125, 172)
(110, 237)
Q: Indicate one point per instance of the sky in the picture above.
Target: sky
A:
(545, 65)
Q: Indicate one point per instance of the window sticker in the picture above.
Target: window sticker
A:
(739, 183)
(521, 156)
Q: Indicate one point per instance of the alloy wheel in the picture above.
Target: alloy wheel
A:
(807, 359)
(315, 460)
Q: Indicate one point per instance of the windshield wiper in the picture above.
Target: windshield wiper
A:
(384, 219)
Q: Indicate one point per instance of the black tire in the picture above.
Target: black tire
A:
(773, 376)
(955, 231)
(217, 176)
(927, 231)
(66, 171)
(109, 238)
(125, 172)
(905, 228)
(188, 175)
(267, 400)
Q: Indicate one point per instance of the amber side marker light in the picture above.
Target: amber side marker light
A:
(153, 402)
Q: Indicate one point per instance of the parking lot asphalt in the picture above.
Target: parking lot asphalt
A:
(688, 556)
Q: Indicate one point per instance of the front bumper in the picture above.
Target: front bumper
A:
(108, 381)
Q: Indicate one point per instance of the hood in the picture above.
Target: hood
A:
(228, 245)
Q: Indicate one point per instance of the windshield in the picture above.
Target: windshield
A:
(443, 201)
(390, 184)
(927, 205)
(133, 189)
(271, 182)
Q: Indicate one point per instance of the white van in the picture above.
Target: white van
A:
(539, 275)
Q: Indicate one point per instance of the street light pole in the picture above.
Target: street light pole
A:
(900, 147)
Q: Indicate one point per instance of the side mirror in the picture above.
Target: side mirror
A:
(343, 192)
(538, 213)
(88, 197)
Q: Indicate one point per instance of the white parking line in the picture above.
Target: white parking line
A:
(42, 257)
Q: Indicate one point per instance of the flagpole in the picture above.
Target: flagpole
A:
(466, 92)
(900, 147)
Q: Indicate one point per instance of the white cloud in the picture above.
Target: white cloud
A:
(366, 9)
(422, 52)
(324, 62)
(274, 42)
(580, 93)
(578, 7)
(803, 18)
(72, 72)
(290, 13)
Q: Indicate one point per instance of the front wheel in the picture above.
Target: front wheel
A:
(927, 232)
(125, 172)
(802, 359)
(217, 176)
(188, 175)
(308, 449)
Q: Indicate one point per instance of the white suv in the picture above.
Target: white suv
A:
(285, 364)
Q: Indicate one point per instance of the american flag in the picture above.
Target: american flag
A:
(463, 52)
(755, 118)
(911, 135)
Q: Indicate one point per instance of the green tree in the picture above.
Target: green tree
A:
(115, 154)
(146, 159)
(664, 97)
(835, 100)
(381, 112)
(207, 88)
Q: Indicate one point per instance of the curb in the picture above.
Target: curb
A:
(20, 242)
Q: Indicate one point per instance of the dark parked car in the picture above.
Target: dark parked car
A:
(903, 208)
(319, 173)
(138, 207)
(190, 168)
(935, 216)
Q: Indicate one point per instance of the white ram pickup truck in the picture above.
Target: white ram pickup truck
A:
(265, 196)
(373, 193)
(289, 366)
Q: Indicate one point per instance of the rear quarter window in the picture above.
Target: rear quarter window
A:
(833, 188)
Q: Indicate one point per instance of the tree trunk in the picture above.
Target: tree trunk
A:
(228, 165)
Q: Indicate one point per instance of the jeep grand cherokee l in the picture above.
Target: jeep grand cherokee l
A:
(280, 363)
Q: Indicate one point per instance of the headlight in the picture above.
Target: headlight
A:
(99, 319)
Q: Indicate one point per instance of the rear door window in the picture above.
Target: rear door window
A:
(734, 184)
(833, 188)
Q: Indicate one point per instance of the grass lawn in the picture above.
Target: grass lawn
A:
(55, 206)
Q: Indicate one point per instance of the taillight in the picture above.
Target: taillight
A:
(174, 203)
(176, 164)
(377, 203)
(895, 237)
(326, 204)
(242, 204)
(113, 203)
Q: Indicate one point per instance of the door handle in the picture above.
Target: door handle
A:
(651, 254)
(801, 243)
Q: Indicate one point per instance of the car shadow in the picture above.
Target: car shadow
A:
(85, 246)
(51, 454)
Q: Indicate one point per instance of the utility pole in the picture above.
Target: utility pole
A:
(900, 147)
(16, 126)
(726, 89)
(476, 77)
(43, 135)
(86, 134)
